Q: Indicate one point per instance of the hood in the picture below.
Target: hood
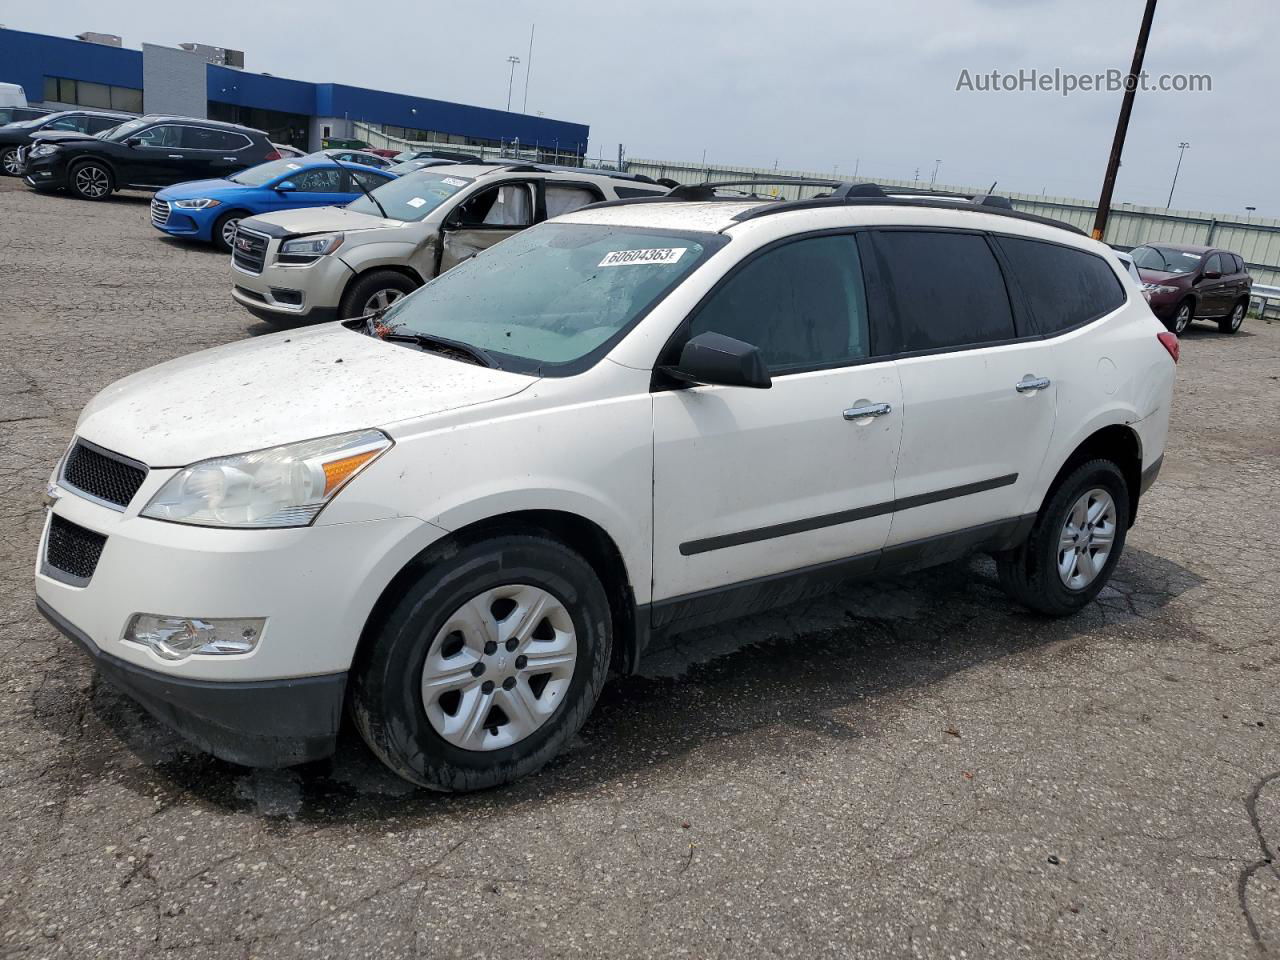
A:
(316, 220)
(199, 188)
(1161, 276)
(289, 386)
(60, 136)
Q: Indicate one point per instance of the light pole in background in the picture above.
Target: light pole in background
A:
(511, 79)
(934, 178)
(1182, 148)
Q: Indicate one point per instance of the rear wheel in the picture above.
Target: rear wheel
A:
(1075, 544)
(373, 292)
(90, 180)
(486, 666)
(224, 230)
(9, 162)
(1231, 322)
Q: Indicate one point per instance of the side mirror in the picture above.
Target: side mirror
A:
(1212, 275)
(286, 186)
(133, 142)
(713, 358)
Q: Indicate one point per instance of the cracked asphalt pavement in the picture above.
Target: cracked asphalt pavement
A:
(908, 768)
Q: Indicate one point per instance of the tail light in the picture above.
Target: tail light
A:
(273, 155)
(1170, 342)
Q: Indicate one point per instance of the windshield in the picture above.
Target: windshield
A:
(553, 294)
(263, 172)
(124, 130)
(1165, 259)
(404, 155)
(410, 198)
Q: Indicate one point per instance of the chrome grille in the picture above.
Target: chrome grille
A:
(249, 250)
(72, 549)
(102, 475)
(159, 212)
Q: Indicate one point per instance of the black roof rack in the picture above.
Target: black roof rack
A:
(591, 171)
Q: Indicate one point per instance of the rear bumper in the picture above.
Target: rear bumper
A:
(258, 723)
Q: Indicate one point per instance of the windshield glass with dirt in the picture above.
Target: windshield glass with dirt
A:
(410, 198)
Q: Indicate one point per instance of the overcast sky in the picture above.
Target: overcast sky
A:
(810, 84)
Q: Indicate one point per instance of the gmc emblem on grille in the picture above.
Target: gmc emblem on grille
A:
(244, 243)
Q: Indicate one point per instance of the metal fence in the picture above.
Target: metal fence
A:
(1256, 239)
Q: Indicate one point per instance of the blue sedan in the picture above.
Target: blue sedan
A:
(209, 210)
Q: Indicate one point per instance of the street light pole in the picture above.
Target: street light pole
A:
(1122, 124)
(934, 178)
(511, 79)
(1182, 148)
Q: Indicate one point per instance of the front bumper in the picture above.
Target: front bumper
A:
(312, 291)
(267, 723)
(45, 173)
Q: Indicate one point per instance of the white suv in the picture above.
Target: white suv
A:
(328, 263)
(457, 516)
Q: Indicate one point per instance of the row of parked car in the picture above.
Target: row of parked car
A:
(337, 233)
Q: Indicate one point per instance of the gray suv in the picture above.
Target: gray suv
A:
(331, 263)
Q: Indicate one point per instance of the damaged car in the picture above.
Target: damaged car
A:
(344, 262)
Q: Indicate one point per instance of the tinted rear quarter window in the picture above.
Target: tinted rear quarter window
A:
(1063, 286)
(944, 290)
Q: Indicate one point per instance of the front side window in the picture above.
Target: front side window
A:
(75, 124)
(802, 304)
(945, 290)
(411, 197)
(553, 295)
(319, 180)
(1064, 287)
(506, 205)
(168, 136)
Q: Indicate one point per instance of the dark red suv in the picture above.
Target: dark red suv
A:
(1186, 283)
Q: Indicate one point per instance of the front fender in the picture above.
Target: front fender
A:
(417, 258)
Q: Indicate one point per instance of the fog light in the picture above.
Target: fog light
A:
(176, 638)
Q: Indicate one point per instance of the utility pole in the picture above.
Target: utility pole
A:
(934, 178)
(1182, 148)
(1122, 124)
(528, 68)
(511, 79)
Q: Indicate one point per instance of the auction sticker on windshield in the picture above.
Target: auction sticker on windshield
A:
(621, 258)
(454, 182)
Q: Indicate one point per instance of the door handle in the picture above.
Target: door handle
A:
(1031, 384)
(228, 158)
(175, 156)
(868, 410)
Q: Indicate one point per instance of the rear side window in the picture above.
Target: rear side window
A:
(98, 124)
(945, 289)
(626, 193)
(1064, 287)
(802, 304)
(562, 198)
(202, 138)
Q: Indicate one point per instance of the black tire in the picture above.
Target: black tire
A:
(1029, 574)
(367, 287)
(1232, 321)
(9, 162)
(220, 225)
(90, 180)
(386, 694)
(1182, 317)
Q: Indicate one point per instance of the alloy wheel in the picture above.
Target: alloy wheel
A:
(381, 300)
(1182, 320)
(499, 667)
(1237, 316)
(1086, 539)
(10, 162)
(229, 232)
(92, 182)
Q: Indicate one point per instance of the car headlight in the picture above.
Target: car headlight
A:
(278, 487)
(203, 203)
(43, 150)
(316, 246)
(1158, 288)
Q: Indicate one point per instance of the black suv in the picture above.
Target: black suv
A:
(145, 154)
(19, 132)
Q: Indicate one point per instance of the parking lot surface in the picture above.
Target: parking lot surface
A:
(908, 768)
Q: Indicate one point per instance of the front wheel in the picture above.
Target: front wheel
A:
(9, 162)
(1075, 544)
(1231, 322)
(486, 666)
(224, 230)
(91, 181)
(373, 292)
(1182, 319)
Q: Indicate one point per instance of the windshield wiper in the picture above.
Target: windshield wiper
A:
(432, 343)
(363, 188)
